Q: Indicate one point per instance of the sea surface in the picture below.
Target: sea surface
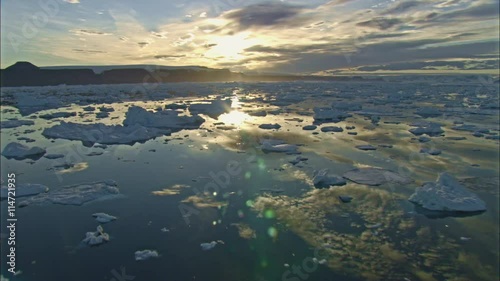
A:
(267, 218)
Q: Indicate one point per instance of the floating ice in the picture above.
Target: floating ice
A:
(20, 151)
(57, 115)
(213, 109)
(208, 246)
(430, 129)
(145, 254)
(329, 115)
(165, 119)
(15, 123)
(332, 129)
(447, 194)
(269, 146)
(375, 176)
(321, 179)
(103, 134)
(25, 189)
(76, 194)
(103, 217)
(427, 112)
(309, 127)
(366, 147)
(297, 160)
(270, 126)
(430, 151)
(96, 238)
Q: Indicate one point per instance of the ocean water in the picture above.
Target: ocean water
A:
(270, 222)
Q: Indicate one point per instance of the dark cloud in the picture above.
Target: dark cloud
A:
(89, 51)
(473, 12)
(142, 44)
(266, 15)
(380, 23)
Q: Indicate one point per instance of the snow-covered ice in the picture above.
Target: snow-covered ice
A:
(96, 238)
(103, 217)
(145, 255)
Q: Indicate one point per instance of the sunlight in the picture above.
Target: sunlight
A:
(231, 47)
(235, 118)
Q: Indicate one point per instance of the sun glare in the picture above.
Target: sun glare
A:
(231, 47)
(235, 118)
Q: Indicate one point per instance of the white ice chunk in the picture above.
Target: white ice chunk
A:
(96, 238)
(285, 148)
(145, 254)
(447, 194)
(103, 217)
(213, 109)
(208, 246)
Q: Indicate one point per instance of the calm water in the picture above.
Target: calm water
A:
(276, 232)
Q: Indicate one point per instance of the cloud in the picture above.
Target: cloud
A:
(265, 15)
(72, 1)
(380, 23)
(88, 32)
(402, 6)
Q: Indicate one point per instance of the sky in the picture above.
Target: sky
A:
(285, 36)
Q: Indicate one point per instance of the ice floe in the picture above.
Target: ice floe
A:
(20, 151)
(332, 129)
(103, 134)
(447, 194)
(430, 129)
(76, 194)
(375, 176)
(57, 115)
(270, 126)
(96, 238)
(324, 115)
(103, 217)
(210, 245)
(25, 189)
(165, 119)
(145, 255)
(15, 123)
(322, 179)
(366, 147)
(270, 146)
(213, 109)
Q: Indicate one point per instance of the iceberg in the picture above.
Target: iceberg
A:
(20, 151)
(76, 194)
(447, 194)
(145, 255)
(26, 189)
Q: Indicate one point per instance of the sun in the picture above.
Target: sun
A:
(231, 46)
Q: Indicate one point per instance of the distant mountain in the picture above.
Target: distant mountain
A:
(27, 74)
